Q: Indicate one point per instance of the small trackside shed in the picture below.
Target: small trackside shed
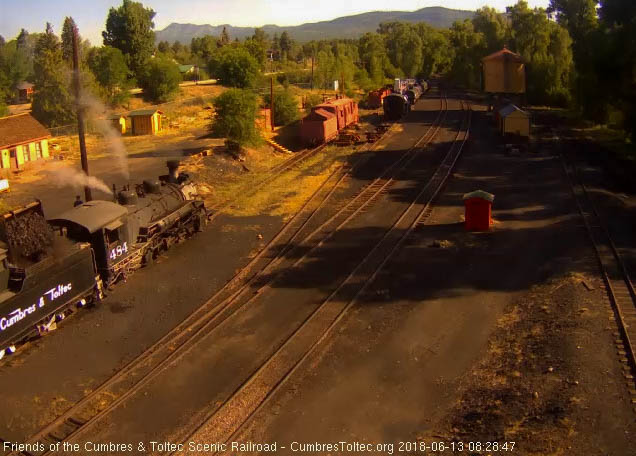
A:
(118, 122)
(514, 121)
(146, 121)
(25, 92)
(319, 126)
(504, 72)
(22, 140)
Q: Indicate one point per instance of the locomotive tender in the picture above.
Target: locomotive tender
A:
(48, 269)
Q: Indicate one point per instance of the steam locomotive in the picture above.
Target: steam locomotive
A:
(49, 268)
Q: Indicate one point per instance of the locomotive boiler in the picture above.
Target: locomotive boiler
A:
(130, 233)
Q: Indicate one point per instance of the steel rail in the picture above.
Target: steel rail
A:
(185, 327)
(253, 392)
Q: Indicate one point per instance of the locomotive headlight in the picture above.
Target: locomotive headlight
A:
(10, 350)
(81, 303)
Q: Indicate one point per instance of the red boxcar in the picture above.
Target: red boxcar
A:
(318, 127)
(375, 97)
(327, 119)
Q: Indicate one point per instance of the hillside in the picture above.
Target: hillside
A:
(342, 27)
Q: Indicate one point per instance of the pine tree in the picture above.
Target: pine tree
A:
(68, 29)
(129, 28)
(225, 37)
(52, 101)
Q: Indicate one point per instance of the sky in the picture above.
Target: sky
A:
(90, 15)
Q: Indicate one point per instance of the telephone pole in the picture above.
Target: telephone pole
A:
(271, 101)
(80, 111)
(312, 72)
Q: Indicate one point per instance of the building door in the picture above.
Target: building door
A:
(13, 157)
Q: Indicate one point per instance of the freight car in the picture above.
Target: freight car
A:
(375, 97)
(318, 126)
(49, 268)
(413, 93)
(395, 106)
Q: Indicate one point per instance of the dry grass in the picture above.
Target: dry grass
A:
(281, 197)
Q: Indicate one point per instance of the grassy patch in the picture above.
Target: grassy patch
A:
(281, 197)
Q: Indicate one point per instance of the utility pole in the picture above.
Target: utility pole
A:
(312, 72)
(271, 101)
(80, 112)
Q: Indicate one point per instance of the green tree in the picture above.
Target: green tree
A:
(111, 72)
(163, 47)
(285, 44)
(437, 54)
(404, 47)
(225, 38)
(204, 47)
(285, 107)
(257, 49)
(129, 28)
(235, 116)
(235, 67)
(493, 25)
(22, 39)
(619, 20)
(547, 49)
(469, 47)
(52, 101)
(160, 79)
(68, 29)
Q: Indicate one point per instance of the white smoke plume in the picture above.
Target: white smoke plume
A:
(77, 179)
(95, 111)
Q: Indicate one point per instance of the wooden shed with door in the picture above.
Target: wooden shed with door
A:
(504, 72)
(25, 92)
(22, 140)
(514, 121)
(118, 122)
(146, 121)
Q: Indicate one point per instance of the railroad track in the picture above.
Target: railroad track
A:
(272, 174)
(128, 380)
(227, 420)
(616, 279)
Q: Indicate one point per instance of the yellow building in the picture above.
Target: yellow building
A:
(504, 72)
(145, 121)
(22, 140)
(514, 121)
(118, 122)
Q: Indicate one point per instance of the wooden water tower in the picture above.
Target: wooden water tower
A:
(504, 73)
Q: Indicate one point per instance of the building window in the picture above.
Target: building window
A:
(26, 154)
(38, 150)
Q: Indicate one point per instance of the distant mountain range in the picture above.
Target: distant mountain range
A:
(342, 27)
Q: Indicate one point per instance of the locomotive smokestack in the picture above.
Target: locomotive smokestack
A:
(173, 166)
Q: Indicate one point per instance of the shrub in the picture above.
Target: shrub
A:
(160, 80)
(235, 67)
(312, 100)
(236, 112)
(285, 107)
